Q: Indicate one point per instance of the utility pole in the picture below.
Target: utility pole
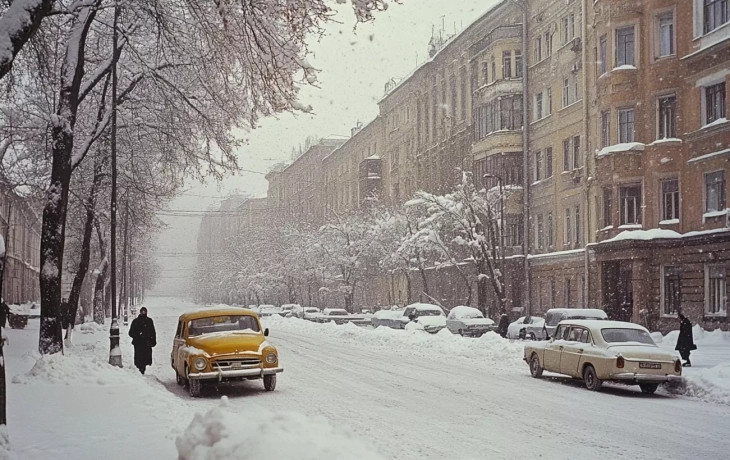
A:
(115, 353)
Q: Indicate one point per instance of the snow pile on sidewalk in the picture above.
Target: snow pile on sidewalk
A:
(90, 328)
(73, 369)
(700, 336)
(491, 349)
(5, 452)
(711, 385)
(258, 433)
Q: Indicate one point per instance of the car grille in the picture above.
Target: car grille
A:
(238, 362)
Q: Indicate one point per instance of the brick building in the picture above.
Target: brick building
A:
(20, 228)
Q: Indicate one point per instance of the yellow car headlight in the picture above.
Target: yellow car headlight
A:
(271, 358)
(200, 363)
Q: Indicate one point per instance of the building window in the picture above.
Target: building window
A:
(667, 117)
(518, 63)
(605, 128)
(506, 64)
(464, 94)
(454, 96)
(548, 162)
(539, 233)
(568, 28)
(630, 196)
(548, 44)
(716, 290)
(716, 13)
(552, 292)
(576, 152)
(625, 46)
(493, 65)
(625, 126)
(550, 231)
(670, 199)
(566, 293)
(603, 50)
(538, 106)
(577, 226)
(485, 72)
(538, 165)
(549, 102)
(715, 191)
(714, 102)
(665, 34)
(513, 231)
(671, 290)
(566, 154)
(576, 89)
(567, 228)
(538, 49)
(608, 207)
(566, 92)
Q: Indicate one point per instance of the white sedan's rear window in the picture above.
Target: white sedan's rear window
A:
(619, 335)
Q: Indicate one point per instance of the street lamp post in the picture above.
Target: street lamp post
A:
(115, 352)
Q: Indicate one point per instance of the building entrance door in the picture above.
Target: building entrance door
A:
(618, 298)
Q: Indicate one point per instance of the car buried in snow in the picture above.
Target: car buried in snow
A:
(221, 345)
(527, 328)
(598, 350)
(430, 317)
(468, 322)
(268, 310)
(340, 316)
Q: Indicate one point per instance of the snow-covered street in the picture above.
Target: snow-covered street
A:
(403, 394)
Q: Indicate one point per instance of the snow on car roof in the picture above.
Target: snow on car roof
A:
(579, 311)
(462, 310)
(425, 307)
(208, 312)
(327, 311)
(602, 324)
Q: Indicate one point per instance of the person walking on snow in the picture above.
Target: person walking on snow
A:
(685, 342)
(503, 325)
(144, 338)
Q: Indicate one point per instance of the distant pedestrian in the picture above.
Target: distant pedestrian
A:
(503, 325)
(144, 338)
(685, 341)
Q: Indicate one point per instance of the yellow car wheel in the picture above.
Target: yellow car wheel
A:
(270, 382)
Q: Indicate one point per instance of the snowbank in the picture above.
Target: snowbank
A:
(71, 369)
(701, 337)
(490, 349)
(259, 433)
(711, 385)
(90, 328)
(5, 452)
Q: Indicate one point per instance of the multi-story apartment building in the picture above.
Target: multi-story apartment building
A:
(20, 228)
(344, 188)
(661, 144)
(296, 190)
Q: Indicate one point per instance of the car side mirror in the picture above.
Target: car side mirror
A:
(266, 332)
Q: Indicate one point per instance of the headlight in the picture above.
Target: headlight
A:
(271, 358)
(200, 363)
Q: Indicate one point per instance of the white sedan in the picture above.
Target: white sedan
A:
(533, 328)
(468, 321)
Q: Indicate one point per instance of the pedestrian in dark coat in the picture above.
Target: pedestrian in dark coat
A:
(144, 338)
(685, 342)
(503, 325)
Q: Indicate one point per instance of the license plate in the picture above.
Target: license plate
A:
(650, 365)
(236, 365)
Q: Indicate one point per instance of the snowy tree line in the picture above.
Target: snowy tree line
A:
(297, 263)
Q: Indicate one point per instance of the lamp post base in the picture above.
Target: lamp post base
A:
(115, 352)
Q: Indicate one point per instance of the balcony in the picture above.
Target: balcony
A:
(500, 33)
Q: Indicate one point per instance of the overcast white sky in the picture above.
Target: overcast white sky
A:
(354, 65)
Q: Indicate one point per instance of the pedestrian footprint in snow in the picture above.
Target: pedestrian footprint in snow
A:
(685, 342)
(144, 338)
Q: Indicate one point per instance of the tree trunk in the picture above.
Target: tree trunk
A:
(53, 231)
(73, 298)
(3, 382)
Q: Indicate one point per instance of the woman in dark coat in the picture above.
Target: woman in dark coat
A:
(685, 342)
(144, 338)
(503, 325)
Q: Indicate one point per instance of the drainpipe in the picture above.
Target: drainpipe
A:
(525, 163)
(586, 267)
(586, 151)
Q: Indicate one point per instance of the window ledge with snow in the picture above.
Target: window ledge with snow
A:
(718, 122)
(623, 67)
(669, 222)
(713, 214)
(630, 226)
(606, 228)
(667, 140)
(624, 147)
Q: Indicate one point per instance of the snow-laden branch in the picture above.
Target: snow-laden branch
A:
(17, 26)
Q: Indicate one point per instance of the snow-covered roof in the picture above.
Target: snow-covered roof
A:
(579, 312)
(425, 307)
(462, 311)
(603, 324)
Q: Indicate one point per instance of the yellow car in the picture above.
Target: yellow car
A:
(221, 345)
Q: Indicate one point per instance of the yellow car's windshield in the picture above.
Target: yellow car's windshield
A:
(226, 323)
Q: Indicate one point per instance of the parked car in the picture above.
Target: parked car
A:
(288, 309)
(385, 317)
(468, 321)
(601, 350)
(415, 312)
(222, 344)
(556, 315)
(268, 310)
(306, 312)
(340, 316)
(527, 327)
